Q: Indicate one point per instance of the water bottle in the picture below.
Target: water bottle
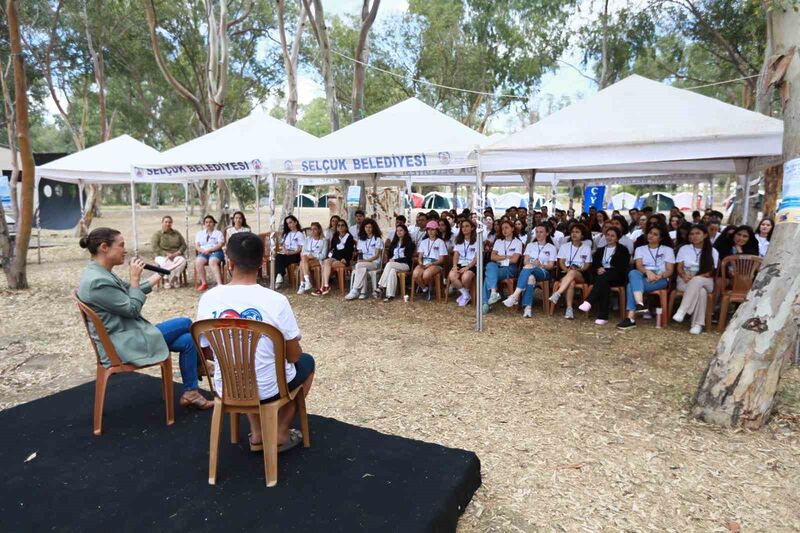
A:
(658, 317)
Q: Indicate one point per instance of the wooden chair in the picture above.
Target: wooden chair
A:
(438, 282)
(583, 287)
(663, 303)
(234, 343)
(674, 295)
(622, 300)
(743, 272)
(117, 366)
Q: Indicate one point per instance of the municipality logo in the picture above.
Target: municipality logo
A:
(444, 157)
(256, 164)
(287, 165)
(139, 172)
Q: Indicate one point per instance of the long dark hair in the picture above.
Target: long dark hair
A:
(97, 237)
(665, 240)
(548, 230)
(751, 246)
(244, 220)
(407, 243)
(682, 234)
(472, 236)
(771, 229)
(585, 234)
(362, 232)
(286, 220)
(448, 229)
(707, 254)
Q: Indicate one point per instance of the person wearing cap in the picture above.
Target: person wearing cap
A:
(431, 252)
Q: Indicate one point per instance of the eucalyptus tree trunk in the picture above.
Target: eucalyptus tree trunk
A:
(316, 18)
(739, 387)
(291, 57)
(368, 15)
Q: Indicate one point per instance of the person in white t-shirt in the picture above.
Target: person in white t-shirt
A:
(655, 263)
(574, 261)
(697, 264)
(465, 259)
(315, 250)
(446, 232)
(504, 262)
(764, 235)
(243, 298)
(292, 241)
(355, 229)
(540, 258)
(400, 253)
(431, 257)
(239, 225)
(370, 251)
(208, 244)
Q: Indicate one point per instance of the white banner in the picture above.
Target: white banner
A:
(229, 168)
(385, 164)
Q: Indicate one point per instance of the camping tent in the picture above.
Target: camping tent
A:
(305, 200)
(659, 201)
(683, 201)
(623, 200)
(510, 199)
(437, 200)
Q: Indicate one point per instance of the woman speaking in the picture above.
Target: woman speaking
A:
(119, 305)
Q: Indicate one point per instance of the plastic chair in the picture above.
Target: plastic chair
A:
(622, 299)
(117, 366)
(234, 342)
(743, 272)
(583, 287)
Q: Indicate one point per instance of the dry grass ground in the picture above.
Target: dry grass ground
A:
(577, 427)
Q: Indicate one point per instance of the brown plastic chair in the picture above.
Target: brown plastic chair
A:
(117, 366)
(234, 343)
(743, 272)
(583, 287)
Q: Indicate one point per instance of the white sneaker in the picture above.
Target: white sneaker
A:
(570, 314)
(647, 315)
(696, 330)
(494, 297)
(363, 296)
(302, 289)
(679, 316)
(510, 301)
(555, 297)
(585, 307)
(352, 295)
(278, 281)
(527, 312)
(601, 322)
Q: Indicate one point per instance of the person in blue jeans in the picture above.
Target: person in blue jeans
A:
(179, 339)
(503, 263)
(655, 263)
(540, 257)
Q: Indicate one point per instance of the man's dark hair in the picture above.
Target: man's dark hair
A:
(359, 212)
(401, 218)
(647, 209)
(246, 250)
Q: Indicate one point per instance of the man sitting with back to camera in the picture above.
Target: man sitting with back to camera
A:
(242, 297)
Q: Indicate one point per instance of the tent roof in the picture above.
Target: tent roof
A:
(640, 125)
(408, 136)
(242, 148)
(108, 162)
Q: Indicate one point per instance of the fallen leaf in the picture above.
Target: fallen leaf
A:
(31, 457)
(733, 526)
(367, 475)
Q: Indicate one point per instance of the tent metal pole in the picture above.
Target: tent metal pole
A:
(83, 206)
(531, 182)
(409, 201)
(186, 209)
(571, 193)
(38, 224)
(258, 205)
(374, 196)
(553, 193)
(479, 247)
(710, 195)
(744, 180)
(272, 231)
(454, 192)
(133, 220)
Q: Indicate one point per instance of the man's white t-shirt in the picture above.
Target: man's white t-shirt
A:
(545, 253)
(253, 302)
(432, 250)
(690, 257)
(354, 231)
(576, 255)
(208, 240)
(655, 259)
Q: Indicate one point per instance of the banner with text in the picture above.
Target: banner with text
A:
(196, 171)
(593, 197)
(789, 210)
(386, 164)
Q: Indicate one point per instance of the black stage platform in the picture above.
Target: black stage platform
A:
(141, 475)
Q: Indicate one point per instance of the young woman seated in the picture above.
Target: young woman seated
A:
(655, 263)
(315, 249)
(609, 269)
(330, 231)
(370, 250)
(465, 259)
(239, 225)
(764, 235)
(292, 240)
(339, 256)
(208, 244)
(503, 263)
(401, 255)
(432, 255)
(540, 258)
(446, 233)
(574, 261)
(736, 241)
(697, 264)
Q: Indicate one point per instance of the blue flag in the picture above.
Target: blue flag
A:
(593, 197)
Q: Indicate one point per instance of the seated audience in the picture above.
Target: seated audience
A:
(764, 235)
(292, 240)
(400, 252)
(239, 225)
(330, 231)
(735, 240)
(315, 250)
(503, 263)
(540, 257)
(355, 229)
(339, 256)
(697, 264)
(119, 305)
(431, 258)
(574, 262)
(243, 297)
(465, 259)
(370, 250)
(609, 269)
(208, 244)
(169, 248)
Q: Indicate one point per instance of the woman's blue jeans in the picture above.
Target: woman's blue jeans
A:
(178, 338)
(637, 282)
(494, 274)
(539, 274)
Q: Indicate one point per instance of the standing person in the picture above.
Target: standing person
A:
(339, 256)
(503, 263)
(697, 264)
(355, 229)
(401, 255)
(655, 263)
(239, 225)
(764, 235)
(208, 244)
(432, 253)
(292, 240)
(574, 261)
(119, 305)
(465, 259)
(370, 250)
(330, 231)
(244, 298)
(540, 257)
(169, 248)
(609, 269)
(315, 250)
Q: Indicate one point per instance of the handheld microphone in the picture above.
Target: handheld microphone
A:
(158, 269)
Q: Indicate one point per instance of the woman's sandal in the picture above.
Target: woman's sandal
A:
(199, 402)
(295, 438)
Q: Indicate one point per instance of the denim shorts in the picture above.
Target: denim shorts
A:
(217, 254)
(304, 367)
